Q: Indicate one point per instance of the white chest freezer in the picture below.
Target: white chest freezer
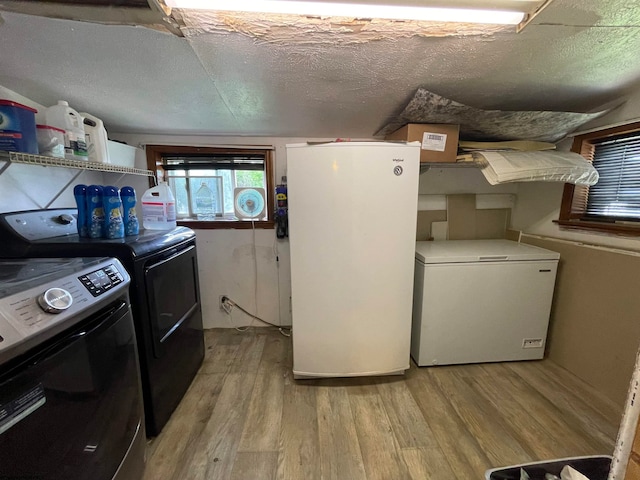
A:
(481, 301)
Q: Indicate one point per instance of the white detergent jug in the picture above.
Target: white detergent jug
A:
(96, 138)
(158, 208)
(64, 117)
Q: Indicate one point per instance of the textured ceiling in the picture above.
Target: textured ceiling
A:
(239, 75)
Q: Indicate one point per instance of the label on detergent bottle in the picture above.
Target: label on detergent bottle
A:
(95, 214)
(114, 225)
(159, 211)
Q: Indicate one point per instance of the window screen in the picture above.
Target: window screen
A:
(216, 185)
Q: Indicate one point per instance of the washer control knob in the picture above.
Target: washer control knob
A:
(55, 300)
(65, 219)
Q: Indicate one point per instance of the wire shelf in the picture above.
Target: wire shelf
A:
(27, 158)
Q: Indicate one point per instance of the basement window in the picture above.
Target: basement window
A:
(613, 204)
(217, 187)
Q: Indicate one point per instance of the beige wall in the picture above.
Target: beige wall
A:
(595, 329)
(595, 324)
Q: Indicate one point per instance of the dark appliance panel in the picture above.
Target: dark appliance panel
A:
(168, 325)
(174, 342)
(78, 426)
(70, 396)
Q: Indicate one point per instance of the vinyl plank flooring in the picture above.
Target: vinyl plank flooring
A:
(262, 427)
(299, 438)
(245, 417)
(564, 436)
(464, 454)
(340, 454)
(482, 420)
(183, 430)
(380, 450)
(215, 454)
(407, 422)
(255, 466)
(572, 405)
(427, 464)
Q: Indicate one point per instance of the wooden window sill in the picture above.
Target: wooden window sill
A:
(601, 227)
(222, 224)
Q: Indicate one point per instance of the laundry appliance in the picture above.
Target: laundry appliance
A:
(164, 292)
(70, 394)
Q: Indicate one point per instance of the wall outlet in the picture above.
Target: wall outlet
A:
(532, 343)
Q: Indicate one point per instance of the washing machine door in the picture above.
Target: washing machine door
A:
(71, 407)
(172, 294)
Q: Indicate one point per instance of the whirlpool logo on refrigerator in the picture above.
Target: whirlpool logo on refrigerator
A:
(397, 170)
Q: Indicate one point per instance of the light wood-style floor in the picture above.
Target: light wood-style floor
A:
(244, 417)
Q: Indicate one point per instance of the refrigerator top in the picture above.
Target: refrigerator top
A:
(472, 251)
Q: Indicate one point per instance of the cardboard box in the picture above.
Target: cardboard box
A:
(439, 141)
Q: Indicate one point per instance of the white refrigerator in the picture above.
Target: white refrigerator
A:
(481, 301)
(352, 227)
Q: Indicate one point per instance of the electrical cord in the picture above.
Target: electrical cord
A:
(228, 304)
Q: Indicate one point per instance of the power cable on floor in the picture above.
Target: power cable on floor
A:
(228, 304)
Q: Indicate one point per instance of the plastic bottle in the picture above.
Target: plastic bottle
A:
(96, 138)
(158, 208)
(80, 194)
(113, 224)
(131, 224)
(95, 211)
(205, 204)
(66, 118)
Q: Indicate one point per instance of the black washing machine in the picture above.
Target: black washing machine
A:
(164, 292)
(70, 396)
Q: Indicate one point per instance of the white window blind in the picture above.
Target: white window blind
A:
(617, 193)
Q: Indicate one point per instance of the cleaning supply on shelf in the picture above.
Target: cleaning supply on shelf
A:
(128, 198)
(96, 138)
(95, 211)
(66, 118)
(80, 194)
(113, 224)
(50, 141)
(158, 208)
(17, 127)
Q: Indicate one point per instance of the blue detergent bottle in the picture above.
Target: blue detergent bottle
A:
(113, 224)
(80, 194)
(131, 223)
(95, 211)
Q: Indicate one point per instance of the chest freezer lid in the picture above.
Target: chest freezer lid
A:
(471, 251)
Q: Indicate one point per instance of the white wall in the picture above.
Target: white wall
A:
(538, 203)
(226, 257)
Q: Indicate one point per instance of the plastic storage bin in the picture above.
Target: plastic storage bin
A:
(18, 127)
(50, 141)
(594, 468)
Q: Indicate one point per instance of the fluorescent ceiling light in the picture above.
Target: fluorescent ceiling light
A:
(361, 10)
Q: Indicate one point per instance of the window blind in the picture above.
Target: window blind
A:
(617, 193)
(253, 161)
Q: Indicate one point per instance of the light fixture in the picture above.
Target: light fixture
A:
(500, 12)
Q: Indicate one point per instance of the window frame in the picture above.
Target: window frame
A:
(155, 153)
(570, 219)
